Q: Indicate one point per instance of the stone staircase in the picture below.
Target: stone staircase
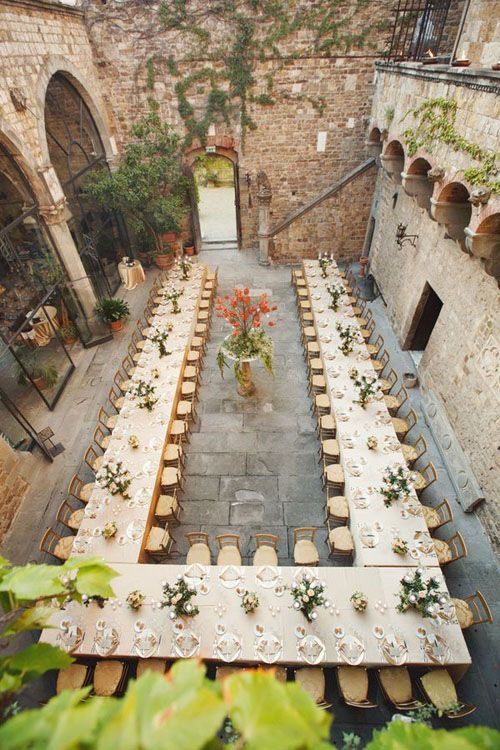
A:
(14, 467)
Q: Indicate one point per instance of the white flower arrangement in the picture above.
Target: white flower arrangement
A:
(335, 291)
(424, 596)
(371, 442)
(109, 530)
(135, 599)
(249, 602)
(160, 338)
(325, 261)
(359, 601)
(133, 441)
(114, 477)
(348, 337)
(367, 388)
(172, 295)
(184, 266)
(178, 597)
(396, 483)
(144, 392)
(399, 546)
(308, 594)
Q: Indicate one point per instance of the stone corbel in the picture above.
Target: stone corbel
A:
(436, 174)
(480, 196)
(56, 213)
(417, 186)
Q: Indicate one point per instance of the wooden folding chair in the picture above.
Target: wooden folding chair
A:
(438, 516)
(115, 399)
(159, 543)
(58, 546)
(380, 364)
(266, 552)
(106, 420)
(450, 550)
(70, 515)
(312, 680)
(229, 549)
(305, 551)
(472, 610)
(395, 683)
(396, 401)
(386, 384)
(101, 438)
(339, 541)
(199, 550)
(424, 478)
(79, 489)
(439, 689)
(353, 686)
(402, 426)
(413, 452)
(375, 348)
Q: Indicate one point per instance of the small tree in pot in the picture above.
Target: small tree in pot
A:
(112, 311)
(148, 186)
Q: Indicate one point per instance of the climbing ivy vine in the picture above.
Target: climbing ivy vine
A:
(254, 30)
(435, 123)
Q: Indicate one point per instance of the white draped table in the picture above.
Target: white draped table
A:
(275, 632)
(150, 427)
(373, 525)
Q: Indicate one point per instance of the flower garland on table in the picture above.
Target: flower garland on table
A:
(359, 601)
(371, 442)
(348, 337)
(184, 266)
(160, 338)
(248, 340)
(424, 596)
(396, 484)
(172, 295)
(399, 546)
(109, 530)
(249, 602)
(178, 597)
(114, 477)
(307, 595)
(335, 293)
(135, 599)
(325, 260)
(367, 386)
(145, 393)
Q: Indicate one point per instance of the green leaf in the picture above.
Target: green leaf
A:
(34, 661)
(270, 714)
(399, 735)
(33, 582)
(93, 577)
(33, 618)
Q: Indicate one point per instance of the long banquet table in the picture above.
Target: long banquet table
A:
(275, 633)
(150, 427)
(373, 525)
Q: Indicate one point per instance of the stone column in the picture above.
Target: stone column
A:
(264, 196)
(55, 218)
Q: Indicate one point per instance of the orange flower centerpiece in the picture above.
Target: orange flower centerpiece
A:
(248, 340)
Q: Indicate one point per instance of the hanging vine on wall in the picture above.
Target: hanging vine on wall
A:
(253, 31)
(436, 124)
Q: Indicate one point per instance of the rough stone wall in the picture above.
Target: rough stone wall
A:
(33, 35)
(284, 144)
(13, 485)
(480, 38)
(462, 359)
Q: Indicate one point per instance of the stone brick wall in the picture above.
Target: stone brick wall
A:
(461, 361)
(480, 38)
(13, 485)
(284, 144)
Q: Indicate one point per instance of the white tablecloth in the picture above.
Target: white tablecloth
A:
(221, 615)
(150, 427)
(364, 468)
(131, 275)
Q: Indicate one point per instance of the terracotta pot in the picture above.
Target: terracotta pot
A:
(116, 325)
(69, 341)
(363, 262)
(189, 250)
(164, 261)
(40, 383)
(168, 237)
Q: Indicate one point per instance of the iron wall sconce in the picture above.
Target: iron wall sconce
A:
(402, 237)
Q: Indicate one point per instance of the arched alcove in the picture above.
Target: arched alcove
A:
(484, 243)
(452, 208)
(393, 160)
(416, 183)
(374, 143)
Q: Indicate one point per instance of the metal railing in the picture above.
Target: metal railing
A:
(418, 29)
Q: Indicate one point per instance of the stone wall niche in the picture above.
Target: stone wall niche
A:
(374, 143)
(416, 183)
(452, 209)
(393, 161)
(484, 243)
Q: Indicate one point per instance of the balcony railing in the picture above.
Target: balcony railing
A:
(418, 30)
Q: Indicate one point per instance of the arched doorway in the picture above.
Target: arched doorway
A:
(76, 150)
(216, 180)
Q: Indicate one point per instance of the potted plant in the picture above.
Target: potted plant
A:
(148, 186)
(69, 334)
(43, 375)
(112, 311)
(188, 247)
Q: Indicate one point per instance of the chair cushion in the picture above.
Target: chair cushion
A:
(409, 452)
(75, 519)
(431, 517)
(170, 477)
(384, 385)
(198, 553)
(391, 402)
(172, 452)
(327, 422)
(464, 613)
(150, 665)
(443, 551)
(341, 539)
(338, 506)
(184, 408)
(71, 678)
(419, 481)
(64, 547)
(265, 555)
(312, 680)
(86, 491)
(167, 505)
(119, 402)
(400, 425)
(353, 683)
(310, 331)
(111, 423)
(305, 553)
(190, 371)
(125, 385)
(377, 365)
(396, 683)
(107, 676)
(98, 463)
(331, 448)
(193, 356)
(158, 539)
(229, 555)
(313, 347)
(335, 474)
(440, 688)
(200, 328)
(178, 427)
(188, 388)
(322, 401)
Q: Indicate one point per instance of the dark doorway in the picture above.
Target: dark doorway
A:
(424, 319)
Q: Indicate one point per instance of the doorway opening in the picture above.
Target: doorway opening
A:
(217, 201)
(424, 319)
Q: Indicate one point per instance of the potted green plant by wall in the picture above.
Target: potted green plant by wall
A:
(69, 334)
(112, 311)
(42, 374)
(188, 247)
(148, 186)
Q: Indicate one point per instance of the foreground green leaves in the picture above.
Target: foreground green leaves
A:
(398, 736)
